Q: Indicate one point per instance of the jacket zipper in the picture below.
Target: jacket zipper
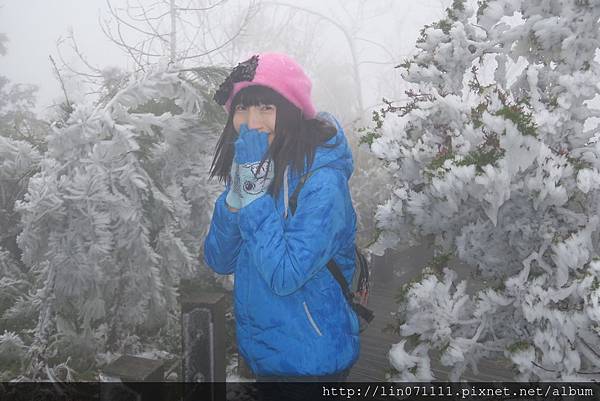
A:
(310, 319)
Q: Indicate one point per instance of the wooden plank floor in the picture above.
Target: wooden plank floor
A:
(389, 273)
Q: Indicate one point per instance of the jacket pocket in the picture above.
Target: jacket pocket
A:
(310, 319)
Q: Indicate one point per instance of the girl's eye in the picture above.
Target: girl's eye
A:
(267, 107)
(240, 107)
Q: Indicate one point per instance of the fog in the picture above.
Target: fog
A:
(476, 194)
(315, 32)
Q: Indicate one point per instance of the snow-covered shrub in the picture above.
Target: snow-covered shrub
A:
(495, 155)
(369, 187)
(115, 217)
(18, 161)
(12, 355)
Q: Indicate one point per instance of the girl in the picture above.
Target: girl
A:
(292, 320)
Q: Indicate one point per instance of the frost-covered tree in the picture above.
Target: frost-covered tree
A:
(495, 156)
(18, 161)
(17, 118)
(115, 218)
(21, 139)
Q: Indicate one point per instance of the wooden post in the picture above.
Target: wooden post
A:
(203, 333)
(132, 371)
(128, 368)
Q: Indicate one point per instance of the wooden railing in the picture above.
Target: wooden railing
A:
(203, 348)
(202, 334)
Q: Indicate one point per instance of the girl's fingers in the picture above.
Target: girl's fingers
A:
(251, 146)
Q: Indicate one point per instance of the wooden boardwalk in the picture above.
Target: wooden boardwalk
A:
(389, 273)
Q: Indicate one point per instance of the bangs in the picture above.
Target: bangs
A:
(295, 142)
(255, 95)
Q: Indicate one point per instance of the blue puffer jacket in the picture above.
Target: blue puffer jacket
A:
(291, 316)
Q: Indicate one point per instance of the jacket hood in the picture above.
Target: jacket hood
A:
(339, 156)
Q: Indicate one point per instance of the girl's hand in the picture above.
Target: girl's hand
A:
(250, 177)
(233, 197)
(251, 145)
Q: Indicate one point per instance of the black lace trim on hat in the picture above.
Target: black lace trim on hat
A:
(244, 71)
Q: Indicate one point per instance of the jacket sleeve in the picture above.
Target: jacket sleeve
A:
(286, 258)
(222, 244)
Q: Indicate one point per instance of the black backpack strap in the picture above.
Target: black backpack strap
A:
(293, 201)
(339, 277)
(362, 311)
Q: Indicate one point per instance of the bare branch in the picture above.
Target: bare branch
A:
(344, 7)
(152, 27)
(173, 32)
(190, 40)
(68, 67)
(534, 363)
(143, 16)
(60, 79)
(306, 10)
(377, 62)
(144, 8)
(106, 30)
(202, 9)
(588, 346)
(97, 92)
(75, 48)
(129, 49)
(191, 24)
(228, 41)
(151, 22)
(122, 21)
(208, 32)
(382, 47)
(108, 33)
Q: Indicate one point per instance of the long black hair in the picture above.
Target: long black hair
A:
(295, 142)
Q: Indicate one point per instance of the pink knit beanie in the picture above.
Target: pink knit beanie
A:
(274, 70)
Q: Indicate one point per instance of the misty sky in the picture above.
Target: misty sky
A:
(33, 28)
